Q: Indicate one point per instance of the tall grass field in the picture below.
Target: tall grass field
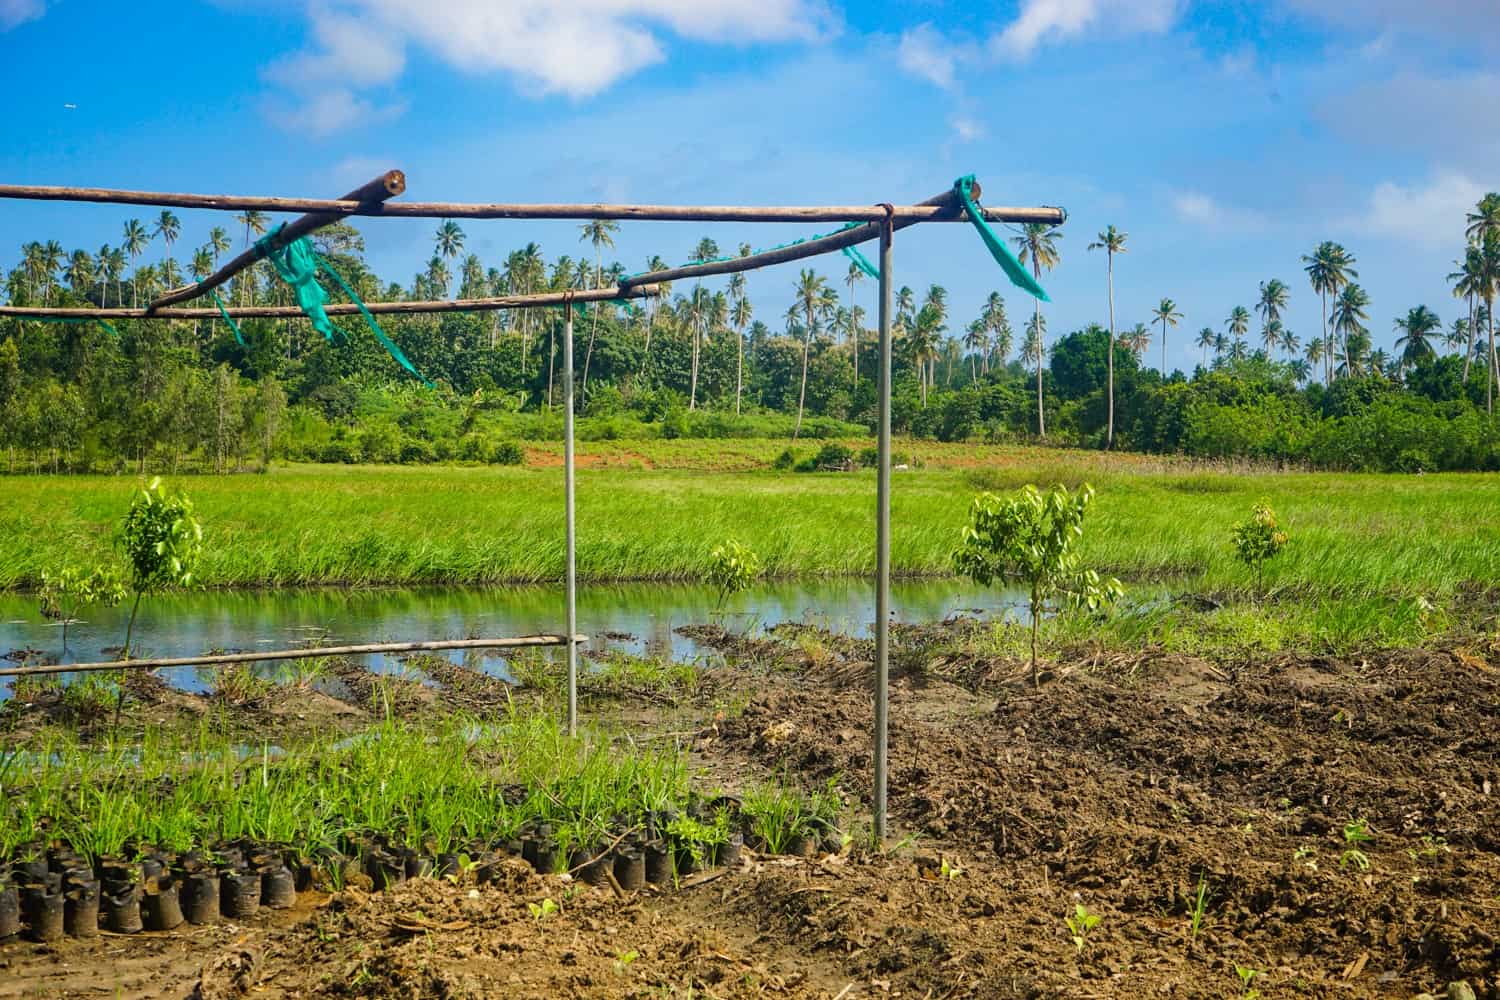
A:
(656, 510)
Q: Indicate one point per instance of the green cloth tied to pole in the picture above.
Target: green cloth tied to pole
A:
(862, 262)
(1018, 275)
(74, 319)
(298, 264)
(228, 319)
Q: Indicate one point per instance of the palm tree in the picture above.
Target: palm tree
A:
(1468, 284)
(1348, 318)
(1417, 327)
(1207, 338)
(1033, 346)
(811, 291)
(448, 241)
(1167, 315)
(135, 241)
(1290, 343)
(998, 327)
(1270, 336)
(79, 273)
(1111, 241)
(853, 277)
(1037, 242)
(168, 227)
(1484, 221)
(1328, 268)
(740, 314)
(1238, 323)
(1137, 339)
(1459, 335)
(976, 338)
(600, 234)
(1273, 298)
(218, 244)
(654, 263)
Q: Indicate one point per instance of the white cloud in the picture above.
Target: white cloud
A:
(575, 49)
(1203, 210)
(14, 13)
(1466, 22)
(1431, 214)
(332, 110)
(1042, 21)
(965, 129)
(925, 53)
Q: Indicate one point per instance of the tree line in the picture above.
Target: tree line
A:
(697, 360)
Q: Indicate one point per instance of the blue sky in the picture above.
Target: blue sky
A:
(1227, 138)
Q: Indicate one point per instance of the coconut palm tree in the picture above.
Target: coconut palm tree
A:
(1418, 328)
(600, 233)
(168, 227)
(1468, 284)
(1329, 268)
(1167, 315)
(1348, 318)
(1290, 343)
(1238, 323)
(998, 326)
(740, 315)
(79, 274)
(853, 277)
(976, 339)
(1111, 241)
(654, 263)
(109, 263)
(1270, 336)
(218, 244)
(1206, 340)
(135, 240)
(810, 297)
(1273, 298)
(1484, 221)
(448, 241)
(1033, 346)
(1037, 242)
(1459, 335)
(1137, 339)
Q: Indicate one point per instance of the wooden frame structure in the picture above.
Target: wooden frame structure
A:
(863, 223)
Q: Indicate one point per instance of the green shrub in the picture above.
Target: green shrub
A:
(417, 452)
(340, 452)
(786, 460)
(832, 455)
(507, 453)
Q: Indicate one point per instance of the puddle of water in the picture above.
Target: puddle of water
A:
(636, 618)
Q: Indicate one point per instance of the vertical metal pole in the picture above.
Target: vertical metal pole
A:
(883, 535)
(572, 529)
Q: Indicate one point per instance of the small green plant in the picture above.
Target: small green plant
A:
(1356, 832)
(1030, 537)
(1079, 924)
(1258, 540)
(1430, 849)
(732, 567)
(161, 541)
(623, 960)
(950, 870)
(1246, 975)
(1200, 907)
(541, 911)
(72, 589)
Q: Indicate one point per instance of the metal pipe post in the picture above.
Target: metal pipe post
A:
(882, 535)
(572, 529)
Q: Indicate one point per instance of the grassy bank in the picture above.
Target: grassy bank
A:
(655, 510)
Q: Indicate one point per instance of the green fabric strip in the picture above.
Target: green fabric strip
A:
(228, 319)
(862, 262)
(73, 319)
(1018, 275)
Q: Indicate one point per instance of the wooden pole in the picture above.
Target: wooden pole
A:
(544, 300)
(947, 207)
(500, 210)
(387, 185)
(261, 656)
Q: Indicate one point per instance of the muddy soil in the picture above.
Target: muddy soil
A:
(1332, 824)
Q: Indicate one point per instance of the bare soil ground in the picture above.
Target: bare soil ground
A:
(1132, 784)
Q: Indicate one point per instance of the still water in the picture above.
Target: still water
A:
(636, 618)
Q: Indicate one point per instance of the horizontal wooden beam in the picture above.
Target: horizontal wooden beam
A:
(261, 656)
(375, 192)
(501, 210)
(539, 301)
(946, 208)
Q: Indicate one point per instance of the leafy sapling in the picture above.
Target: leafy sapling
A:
(1247, 975)
(1259, 540)
(732, 568)
(161, 541)
(72, 589)
(1356, 832)
(1079, 925)
(1030, 537)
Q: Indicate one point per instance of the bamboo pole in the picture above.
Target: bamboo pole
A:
(501, 210)
(544, 300)
(946, 206)
(883, 535)
(387, 185)
(297, 654)
(570, 517)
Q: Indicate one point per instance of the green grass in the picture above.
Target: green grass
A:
(1153, 520)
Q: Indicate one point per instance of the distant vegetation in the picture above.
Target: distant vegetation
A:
(172, 396)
